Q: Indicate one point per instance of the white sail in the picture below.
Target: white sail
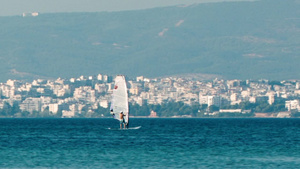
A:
(120, 98)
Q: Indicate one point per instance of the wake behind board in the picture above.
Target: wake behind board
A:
(130, 128)
(134, 128)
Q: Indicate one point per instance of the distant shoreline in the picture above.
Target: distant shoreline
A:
(141, 117)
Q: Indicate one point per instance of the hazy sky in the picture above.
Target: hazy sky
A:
(17, 7)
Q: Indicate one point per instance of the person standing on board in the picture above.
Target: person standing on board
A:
(122, 121)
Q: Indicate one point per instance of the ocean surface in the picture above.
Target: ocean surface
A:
(159, 143)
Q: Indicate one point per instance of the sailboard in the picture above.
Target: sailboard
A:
(119, 102)
(129, 128)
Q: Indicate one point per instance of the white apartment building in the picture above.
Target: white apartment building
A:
(68, 114)
(60, 90)
(10, 82)
(105, 78)
(25, 87)
(104, 103)
(85, 93)
(140, 78)
(99, 77)
(271, 99)
(7, 91)
(292, 105)
(31, 104)
(100, 88)
(53, 108)
(210, 100)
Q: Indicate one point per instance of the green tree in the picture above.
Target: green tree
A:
(213, 108)
(46, 113)
(7, 110)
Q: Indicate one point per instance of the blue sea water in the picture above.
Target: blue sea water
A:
(159, 143)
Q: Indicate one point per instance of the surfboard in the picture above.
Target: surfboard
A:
(130, 128)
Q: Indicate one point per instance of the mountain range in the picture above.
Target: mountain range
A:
(243, 40)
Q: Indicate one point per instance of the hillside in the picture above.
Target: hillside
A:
(234, 40)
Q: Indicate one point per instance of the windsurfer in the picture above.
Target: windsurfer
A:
(122, 121)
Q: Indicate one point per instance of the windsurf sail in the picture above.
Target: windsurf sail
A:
(119, 102)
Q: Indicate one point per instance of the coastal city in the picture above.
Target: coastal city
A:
(80, 97)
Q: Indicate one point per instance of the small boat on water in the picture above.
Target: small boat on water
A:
(119, 102)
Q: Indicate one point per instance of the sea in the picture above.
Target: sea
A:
(158, 143)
